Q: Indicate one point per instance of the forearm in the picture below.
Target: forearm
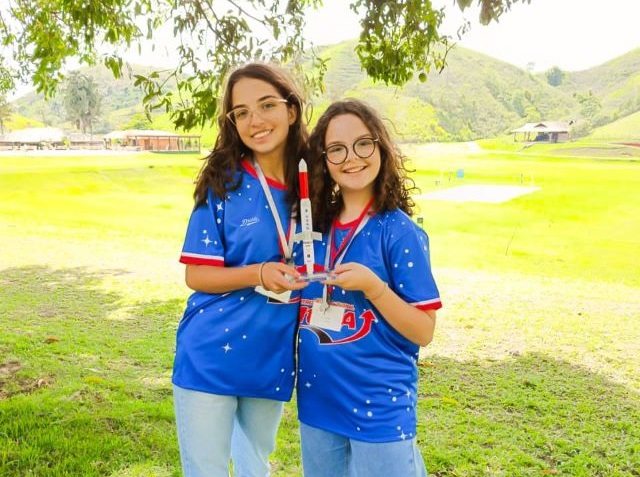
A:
(208, 279)
(414, 324)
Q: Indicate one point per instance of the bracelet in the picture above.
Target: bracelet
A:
(384, 289)
(260, 274)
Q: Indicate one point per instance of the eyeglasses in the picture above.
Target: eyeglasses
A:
(265, 109)
(363, 147)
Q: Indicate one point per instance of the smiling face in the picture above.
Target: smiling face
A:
(265, 130)
(355, 176)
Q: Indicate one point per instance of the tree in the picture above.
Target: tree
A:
(5, 112)
(398, 40)
(81, 101)
(555, 76)
(590, 107)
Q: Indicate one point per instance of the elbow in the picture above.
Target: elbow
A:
(189, 278)
(425, 336)
(424, 340)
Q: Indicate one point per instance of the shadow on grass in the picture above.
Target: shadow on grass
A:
(530, 415)
(84, 386)
(525, 416)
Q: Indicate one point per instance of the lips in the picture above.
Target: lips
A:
(354, 170)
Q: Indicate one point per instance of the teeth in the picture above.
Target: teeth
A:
(357, 169)
(261, 134)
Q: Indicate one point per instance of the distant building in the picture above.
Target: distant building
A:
(548, 131)
(151, 140)
(34, 138)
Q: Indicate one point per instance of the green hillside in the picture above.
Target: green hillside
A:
(120, 101)
(625, 129)
(121, 106)
(474, 97)
(616, 83)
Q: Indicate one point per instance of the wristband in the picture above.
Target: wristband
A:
(260, 274)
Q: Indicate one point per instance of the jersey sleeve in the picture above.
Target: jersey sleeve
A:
(411, 276)
(203, 243)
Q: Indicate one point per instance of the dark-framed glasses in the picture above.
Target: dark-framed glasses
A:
(266, 109)
(362, 147)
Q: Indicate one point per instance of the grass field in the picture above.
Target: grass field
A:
(533, 370)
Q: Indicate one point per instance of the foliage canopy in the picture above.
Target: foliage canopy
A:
(43, 37)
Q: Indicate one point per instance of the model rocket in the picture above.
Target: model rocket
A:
(307, 235)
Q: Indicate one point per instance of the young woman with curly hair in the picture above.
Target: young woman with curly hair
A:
(361, 330)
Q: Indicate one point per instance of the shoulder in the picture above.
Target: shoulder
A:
(396, 220)
(397, 228)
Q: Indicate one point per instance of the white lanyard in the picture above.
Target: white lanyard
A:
(286, 246)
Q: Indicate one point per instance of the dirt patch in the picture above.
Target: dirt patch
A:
(9, 369)
(7, 372)
(10, 384)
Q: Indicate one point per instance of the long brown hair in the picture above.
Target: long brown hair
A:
(220, 166)
(392, 186)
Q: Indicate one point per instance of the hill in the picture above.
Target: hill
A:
(474, 97)
(477, 96)
(121, 100)
(624, 129)
(615, 83)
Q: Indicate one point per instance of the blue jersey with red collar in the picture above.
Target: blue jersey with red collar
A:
(361, 381)
(239, 343)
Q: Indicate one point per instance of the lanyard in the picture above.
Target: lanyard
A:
(332, 259)
(286, 246)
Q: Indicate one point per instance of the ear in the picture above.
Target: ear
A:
(292, 112)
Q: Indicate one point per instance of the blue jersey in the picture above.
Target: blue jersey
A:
(361, 381)
(239, 343)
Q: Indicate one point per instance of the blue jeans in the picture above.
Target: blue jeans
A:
(325, 454)
(213, 429)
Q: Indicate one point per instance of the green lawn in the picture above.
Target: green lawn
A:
(533, 370)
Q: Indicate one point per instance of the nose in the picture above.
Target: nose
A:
(254, 117)
(351, 154)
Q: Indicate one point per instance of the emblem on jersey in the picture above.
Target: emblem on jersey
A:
(357, 328)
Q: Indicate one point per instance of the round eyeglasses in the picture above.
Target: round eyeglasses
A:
(363, 147)
(266, 109)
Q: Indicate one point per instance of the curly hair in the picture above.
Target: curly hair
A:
(219, 170)
(392, 187)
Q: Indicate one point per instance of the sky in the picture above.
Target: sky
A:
(573, 35)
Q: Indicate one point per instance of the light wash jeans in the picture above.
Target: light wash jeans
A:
(214, 428)
(325, 454)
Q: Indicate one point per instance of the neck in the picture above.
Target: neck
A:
(272, 167)
(354, 204)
